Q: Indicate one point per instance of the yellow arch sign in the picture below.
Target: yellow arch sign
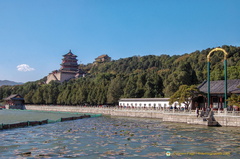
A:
(217, 49)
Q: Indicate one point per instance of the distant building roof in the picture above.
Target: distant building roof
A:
(217, 87)
(14, 97)
(102, 56)
(143, 99)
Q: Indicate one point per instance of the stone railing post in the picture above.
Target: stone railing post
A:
(219, 111)
(225, 111)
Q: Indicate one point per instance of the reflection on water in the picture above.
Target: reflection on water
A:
(116, 137)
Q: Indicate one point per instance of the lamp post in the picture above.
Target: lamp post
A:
(208, 82)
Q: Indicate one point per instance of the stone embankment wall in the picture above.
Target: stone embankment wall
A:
(228, 120)
(190, 118)
(69, 109)
(14, 106)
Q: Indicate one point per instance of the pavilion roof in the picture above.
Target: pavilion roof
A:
(14, 97)
(237, 91)
(217, 87)
(70, 54)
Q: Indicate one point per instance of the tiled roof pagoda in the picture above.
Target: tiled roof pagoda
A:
(69, 62)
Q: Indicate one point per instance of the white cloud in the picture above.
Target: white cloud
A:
(24, 68)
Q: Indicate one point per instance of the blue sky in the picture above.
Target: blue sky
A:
(34, 34)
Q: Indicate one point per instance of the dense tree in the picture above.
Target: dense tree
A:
(38, 96)
(129, 90)
(28, 97)
(134, 77)
(234, 100)
(115, 90)
(233, 72)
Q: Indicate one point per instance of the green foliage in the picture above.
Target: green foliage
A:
(134, 77)
(233, 72)
(234, 100)
(115, 90)
(184, 95)
(129, 90)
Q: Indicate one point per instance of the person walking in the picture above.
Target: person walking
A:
(197, 112)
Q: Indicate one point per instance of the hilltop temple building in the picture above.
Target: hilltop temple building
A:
(102, 59)
(69, 69)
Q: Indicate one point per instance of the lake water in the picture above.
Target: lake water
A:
(120, 137)
(8, 116)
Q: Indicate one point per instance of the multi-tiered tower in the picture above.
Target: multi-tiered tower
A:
(69, 69)
(69, 62)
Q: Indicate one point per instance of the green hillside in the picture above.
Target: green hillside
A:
(135, 77)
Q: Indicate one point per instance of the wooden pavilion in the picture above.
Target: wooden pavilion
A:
(14, 101)
(216, 93)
